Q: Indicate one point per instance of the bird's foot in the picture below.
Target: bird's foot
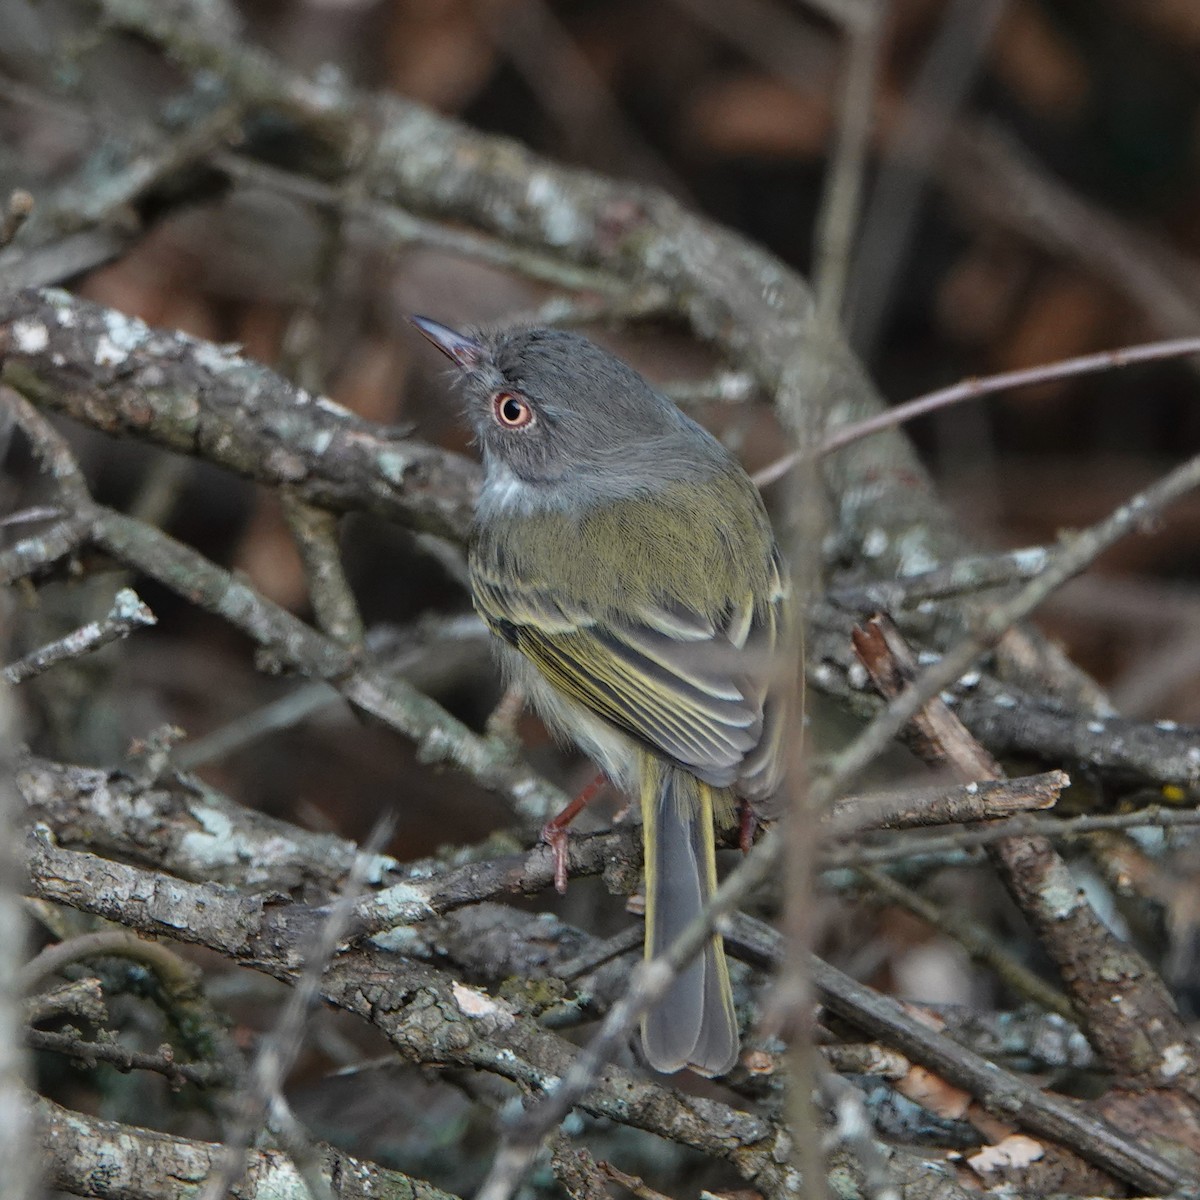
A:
(554, 832)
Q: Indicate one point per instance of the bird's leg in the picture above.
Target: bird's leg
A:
(502, 723)
(747, 824)
(554, 832)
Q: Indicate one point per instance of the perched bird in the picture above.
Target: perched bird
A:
(625, 562)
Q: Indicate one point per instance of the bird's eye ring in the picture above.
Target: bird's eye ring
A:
(511, 410)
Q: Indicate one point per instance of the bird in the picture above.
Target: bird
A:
(626, 566)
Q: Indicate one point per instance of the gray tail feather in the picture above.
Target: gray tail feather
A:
(694, 1024)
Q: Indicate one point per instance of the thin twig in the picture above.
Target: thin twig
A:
(1073, 556)
(49, 446)
(315, 532)
(838, 218)
(983, 801)
(1069, 829)
(971, 389)
(414, 652)
(852, 1128)
(128, 613)
(1006, 1095)
(27, 516)
(35, 554)
(279, 1049)
(624, 942)
(108, 943)
(978, 943)
(790, 1006)
(968, 575)
(299, 1145)
(631, 1183)
(725, 387)
(913, 141)
(123, 1058)
(397, 227)
(635, 303)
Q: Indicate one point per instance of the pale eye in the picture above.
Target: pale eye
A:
(511, 411)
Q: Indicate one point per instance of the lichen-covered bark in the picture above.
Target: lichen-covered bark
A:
(1123, 1004)
(124, 378)
(88, 1156)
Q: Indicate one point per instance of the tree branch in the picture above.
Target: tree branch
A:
(87, 1156)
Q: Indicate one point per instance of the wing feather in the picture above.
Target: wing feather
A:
(692, 686)
(656, 718)
(698, 702)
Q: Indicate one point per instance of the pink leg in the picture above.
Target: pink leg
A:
(554, 832)
(747, 825)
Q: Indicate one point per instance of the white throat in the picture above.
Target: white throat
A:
(505, 491)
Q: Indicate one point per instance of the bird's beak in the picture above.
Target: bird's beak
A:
(461, 350)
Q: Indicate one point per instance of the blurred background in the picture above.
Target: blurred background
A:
(1033, 192)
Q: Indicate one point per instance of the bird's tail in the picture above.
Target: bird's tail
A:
(694, 1024)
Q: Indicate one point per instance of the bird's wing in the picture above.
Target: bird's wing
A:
(689, 687)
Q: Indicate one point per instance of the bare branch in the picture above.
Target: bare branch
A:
(128, 613)
(112, 1053)
(838, 219)
(977, 942)
(1006, 1095)
(251, 421)
(279, 1049)
(428, 1016)
(1124, 1007)
(1069, 829)
(315, 532)
(34, 554)
(82, 1000)
(988, 385)
(983, 801)
(1067, 562)
(157, 1166)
